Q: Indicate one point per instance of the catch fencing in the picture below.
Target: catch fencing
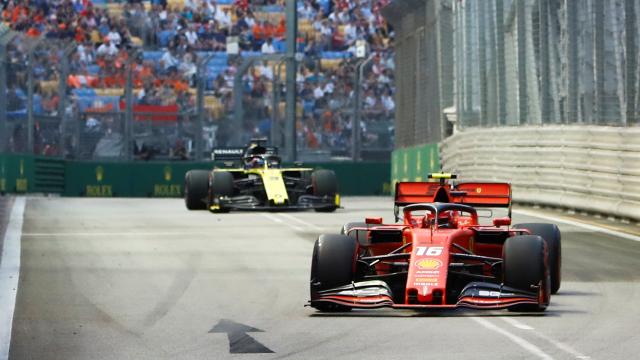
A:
(487, 63)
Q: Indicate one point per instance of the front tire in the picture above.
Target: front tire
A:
(332, 265)
(551, 234)
(196, 187)
(525, 268)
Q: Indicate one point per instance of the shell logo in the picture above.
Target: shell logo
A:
(429, 264)
(478, 190)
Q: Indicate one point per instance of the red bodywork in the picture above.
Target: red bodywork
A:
(440, 244)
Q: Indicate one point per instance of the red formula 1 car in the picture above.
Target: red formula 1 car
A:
(438, 256)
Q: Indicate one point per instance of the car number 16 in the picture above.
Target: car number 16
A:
(429, 250)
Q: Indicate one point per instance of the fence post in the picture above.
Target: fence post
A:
(500, 68)
(128, 114)
(571, 16)
(202, 80)
(3, 99)
(276, 131)
(523, 100)
(30, 121)
(631, 61)
(62, 90)
(290, 114)
(355, 129)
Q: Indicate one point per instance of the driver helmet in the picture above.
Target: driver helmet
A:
(255, 162)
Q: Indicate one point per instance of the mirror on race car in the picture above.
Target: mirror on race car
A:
(503, 221)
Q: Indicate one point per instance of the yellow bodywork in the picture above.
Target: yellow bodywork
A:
(273, 182)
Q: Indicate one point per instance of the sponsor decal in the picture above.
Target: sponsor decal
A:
(167, 190)
(99, 173)
(489, 293)
(428, 264)
(228, 151)
(427, 280)
(428, 272)
(22, 185)
(167, 173)
(99, 191)
(478, 190)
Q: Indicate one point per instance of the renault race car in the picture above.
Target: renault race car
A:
(258, 182)
(438, 255)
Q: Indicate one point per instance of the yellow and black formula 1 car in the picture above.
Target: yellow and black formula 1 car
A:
(259, 183)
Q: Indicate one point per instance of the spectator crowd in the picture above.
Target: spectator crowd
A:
(165, 41)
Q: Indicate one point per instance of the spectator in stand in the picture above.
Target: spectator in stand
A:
(267, 47)
(325, 86)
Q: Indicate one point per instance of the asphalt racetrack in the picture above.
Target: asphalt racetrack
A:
(147, 279)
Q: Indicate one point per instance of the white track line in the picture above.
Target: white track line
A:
(564, 347)
(595, 228)
(515, 338)
(280, 221)
(300, 221)
(10, 274)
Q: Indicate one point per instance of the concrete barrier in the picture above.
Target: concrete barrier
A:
(589, 168)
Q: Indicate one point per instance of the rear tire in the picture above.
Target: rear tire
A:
(220, 184)
(332, 265)
(325, 183)
(525, 267)
(196, 188)
(551, 234)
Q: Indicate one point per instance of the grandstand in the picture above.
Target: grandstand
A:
(165, 42)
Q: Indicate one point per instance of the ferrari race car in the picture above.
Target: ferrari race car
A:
(438, 256)
(259, 183)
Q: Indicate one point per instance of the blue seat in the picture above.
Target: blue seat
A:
(84, 92)
(250, 53)
(272, 9)
(280, 46)
(164, 37)
(93, 69)
(335, 54)
(152, 55)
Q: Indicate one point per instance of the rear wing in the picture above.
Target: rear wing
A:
(474, 194)
(238, 153)
(227, 154)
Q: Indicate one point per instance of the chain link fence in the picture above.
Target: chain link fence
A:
(131, 103)
(514, 62)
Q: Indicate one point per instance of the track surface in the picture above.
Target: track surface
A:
(145, 279)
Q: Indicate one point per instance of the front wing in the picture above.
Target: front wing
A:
(305, 202)
(377, 294)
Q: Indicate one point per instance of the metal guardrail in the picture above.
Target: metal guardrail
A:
(586, 168)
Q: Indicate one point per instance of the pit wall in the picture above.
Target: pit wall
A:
(29, 174)
(585, 168)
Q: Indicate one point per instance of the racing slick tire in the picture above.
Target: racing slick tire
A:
(551, 234)
(220, 184)
(359, 235)
(196, 188)
(325, 183)
(332, 265)
(525, 267)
